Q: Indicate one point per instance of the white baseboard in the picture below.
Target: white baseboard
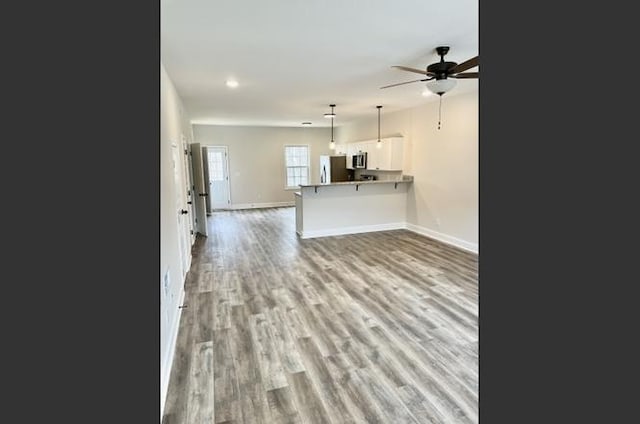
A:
(168, 362)
(236, 206)
(352, 230)
(454, 241)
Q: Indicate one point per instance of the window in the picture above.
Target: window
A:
(215, 166)
(296, 161)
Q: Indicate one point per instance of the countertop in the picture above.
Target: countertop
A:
(405, 179)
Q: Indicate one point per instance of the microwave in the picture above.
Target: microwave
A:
(359, 160)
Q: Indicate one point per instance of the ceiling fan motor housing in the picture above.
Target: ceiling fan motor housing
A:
(441, 69)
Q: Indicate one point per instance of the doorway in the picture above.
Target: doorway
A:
(218, 170)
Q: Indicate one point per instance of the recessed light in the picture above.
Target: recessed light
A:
(232, 83)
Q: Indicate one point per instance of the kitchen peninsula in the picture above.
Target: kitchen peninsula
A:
(351, 207)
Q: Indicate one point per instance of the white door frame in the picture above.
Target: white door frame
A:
(226, 159)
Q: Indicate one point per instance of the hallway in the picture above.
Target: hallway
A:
(366, 328)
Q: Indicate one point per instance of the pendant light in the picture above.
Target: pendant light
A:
(379, 143)
(332, 144)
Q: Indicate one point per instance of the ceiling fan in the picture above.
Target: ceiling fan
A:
(438, 73)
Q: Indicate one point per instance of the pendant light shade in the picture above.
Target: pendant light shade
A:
(332, 143)
(379, 143)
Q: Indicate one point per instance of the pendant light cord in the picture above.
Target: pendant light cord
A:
(379, 142)
(439, 111)
(331, 128)
(332, 124)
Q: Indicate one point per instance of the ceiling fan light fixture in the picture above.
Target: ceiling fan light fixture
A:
(441, 86)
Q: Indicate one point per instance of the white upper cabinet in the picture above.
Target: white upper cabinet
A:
(387, 158)
(396, 152)
(341, 149)
(374, 155)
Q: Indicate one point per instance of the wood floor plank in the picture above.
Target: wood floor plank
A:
(329, 391)
(271, 369)
(420, 406)
(307, 399)
(252, 396)
(204, 320)
(205, 281)
(282, 406)
(200, 406)
(225, 380)
(386, 398)
(365, 328)
(284, 342)
(355, 394)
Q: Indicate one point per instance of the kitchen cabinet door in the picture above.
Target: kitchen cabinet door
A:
(373, 155)
(396, 154)
(389, 156)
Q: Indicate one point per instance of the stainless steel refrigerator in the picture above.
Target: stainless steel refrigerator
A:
(333, 169)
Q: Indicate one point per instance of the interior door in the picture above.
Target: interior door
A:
(188, 190)
(181, 208)
(192, 198)
(218, 177)
(200, 189)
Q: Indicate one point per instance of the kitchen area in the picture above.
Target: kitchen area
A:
(362, 187)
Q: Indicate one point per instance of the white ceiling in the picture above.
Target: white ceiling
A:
(292, 58)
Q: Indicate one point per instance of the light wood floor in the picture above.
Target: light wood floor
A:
(368, 328)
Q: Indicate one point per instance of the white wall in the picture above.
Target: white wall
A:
(173, 124)
(443, 199)
(256, 158)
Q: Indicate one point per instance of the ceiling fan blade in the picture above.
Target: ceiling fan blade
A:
(467, 75)
(406, 68)
(408, 82)
(468, 64)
